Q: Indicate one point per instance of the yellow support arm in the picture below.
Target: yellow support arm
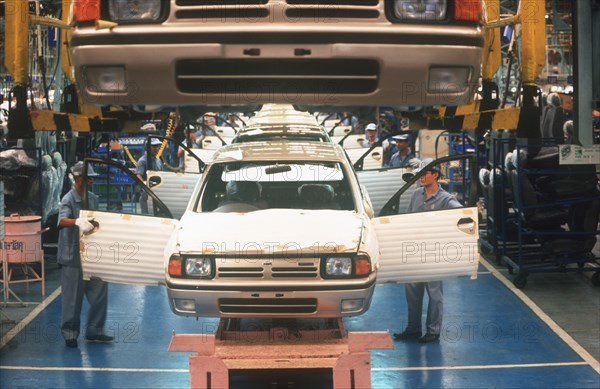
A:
(16, 40)
(533, 39)
(491, 49)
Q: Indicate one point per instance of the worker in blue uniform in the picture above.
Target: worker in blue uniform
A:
(429, 197)
(371, 137)
(142, 169)
(73, 286)
(402, 157)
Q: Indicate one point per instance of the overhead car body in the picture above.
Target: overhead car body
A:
(187, 52)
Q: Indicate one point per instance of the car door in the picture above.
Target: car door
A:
(382, 184)
(175, 187)
(371, 160)
(126, 246)
(433, 245)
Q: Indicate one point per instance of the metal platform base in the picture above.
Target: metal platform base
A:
(284, 344)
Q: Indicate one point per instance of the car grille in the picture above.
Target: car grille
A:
(268, 269)
(332, 9)
(261, 77)
(254, 11)
(222, 9)
(268, 306)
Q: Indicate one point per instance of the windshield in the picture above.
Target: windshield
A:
(283, 132)
(249, 186)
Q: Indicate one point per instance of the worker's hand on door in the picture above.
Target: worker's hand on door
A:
(85, 225)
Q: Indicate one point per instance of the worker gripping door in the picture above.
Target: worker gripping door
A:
(124, 247)
(432, 245)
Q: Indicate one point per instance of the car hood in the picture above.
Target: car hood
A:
(272, 231)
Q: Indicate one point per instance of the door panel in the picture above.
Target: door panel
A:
(126, 249)
(191, 164)
(341, 130)
(382, 184)
(428, 246)
(174, 189)
(354, 141)
(214, 143)
(225, 131)
(372, 161)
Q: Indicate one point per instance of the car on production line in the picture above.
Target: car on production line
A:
(319, 52)
(282, 122)
(282, 230)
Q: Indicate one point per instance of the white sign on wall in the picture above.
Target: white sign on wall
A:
(578, 155)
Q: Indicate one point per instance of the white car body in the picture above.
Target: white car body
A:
(282, 51)
(272, 262)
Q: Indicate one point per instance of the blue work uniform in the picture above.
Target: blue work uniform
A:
(367, 145)
(415, 290)
(142, 166)
(142, 169)
(72, 283)
(397, 161)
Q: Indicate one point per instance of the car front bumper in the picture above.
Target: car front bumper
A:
(330, 66)
(316, 301)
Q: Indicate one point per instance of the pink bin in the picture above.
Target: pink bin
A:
(23, 239)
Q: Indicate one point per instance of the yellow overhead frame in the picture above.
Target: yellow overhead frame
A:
(16, 40)
(532, 17)
(533, 39)
(491, 50)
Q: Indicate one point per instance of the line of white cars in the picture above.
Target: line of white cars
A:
(284, 122)
(318, 236)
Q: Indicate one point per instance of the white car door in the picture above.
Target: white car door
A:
(225, 131)
(190, 162)
(373, 160)
(381, 184)
(353, 141)
(125, 246)
(126, 249)
(175, 188)
(428, 246)
(214, 143)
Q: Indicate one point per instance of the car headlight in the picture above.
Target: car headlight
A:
(105, 79)
(338, 266)
(198, 267)
(134, 10)
(420, 10)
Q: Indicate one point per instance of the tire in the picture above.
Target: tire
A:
(520, 281)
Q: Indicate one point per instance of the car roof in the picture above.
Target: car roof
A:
(283, 119)
(282, 130)
(280, 151)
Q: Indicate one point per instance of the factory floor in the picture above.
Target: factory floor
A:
(494, 335)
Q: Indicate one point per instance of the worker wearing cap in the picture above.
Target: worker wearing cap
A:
(73, 286)
(429, 197)
(142, 169)
(402, 157)
(370, 135)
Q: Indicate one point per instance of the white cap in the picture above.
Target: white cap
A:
(155, 142)
(371, 127)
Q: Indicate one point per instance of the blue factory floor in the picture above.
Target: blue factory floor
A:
(546, 336)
